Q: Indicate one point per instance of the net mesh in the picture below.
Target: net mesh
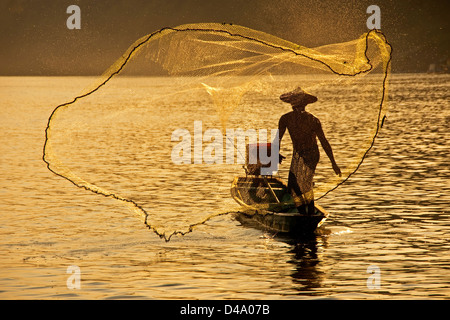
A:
(164, 129)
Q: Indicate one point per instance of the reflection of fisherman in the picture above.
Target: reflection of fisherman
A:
(303, 128)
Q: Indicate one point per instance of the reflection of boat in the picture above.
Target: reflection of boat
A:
(265, 199)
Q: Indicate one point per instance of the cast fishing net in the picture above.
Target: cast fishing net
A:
(159, 130)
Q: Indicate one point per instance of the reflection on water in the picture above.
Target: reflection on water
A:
(306, 260)
(392, 214)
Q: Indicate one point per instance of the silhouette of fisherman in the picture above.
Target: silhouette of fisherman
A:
(303, 128)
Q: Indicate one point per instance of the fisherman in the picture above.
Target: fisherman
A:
(303, 128)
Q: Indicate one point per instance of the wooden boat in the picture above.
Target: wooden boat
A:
(265, 200)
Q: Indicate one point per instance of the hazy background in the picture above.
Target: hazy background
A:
(35, 40)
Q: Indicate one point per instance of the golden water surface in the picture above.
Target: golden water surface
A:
(392, 214)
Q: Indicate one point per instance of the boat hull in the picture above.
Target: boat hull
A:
(265, 200)
(286, 223)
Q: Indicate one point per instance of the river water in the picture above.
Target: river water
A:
(392, 216)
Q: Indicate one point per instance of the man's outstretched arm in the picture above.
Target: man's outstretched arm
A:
(281, 130)
(327, 147)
